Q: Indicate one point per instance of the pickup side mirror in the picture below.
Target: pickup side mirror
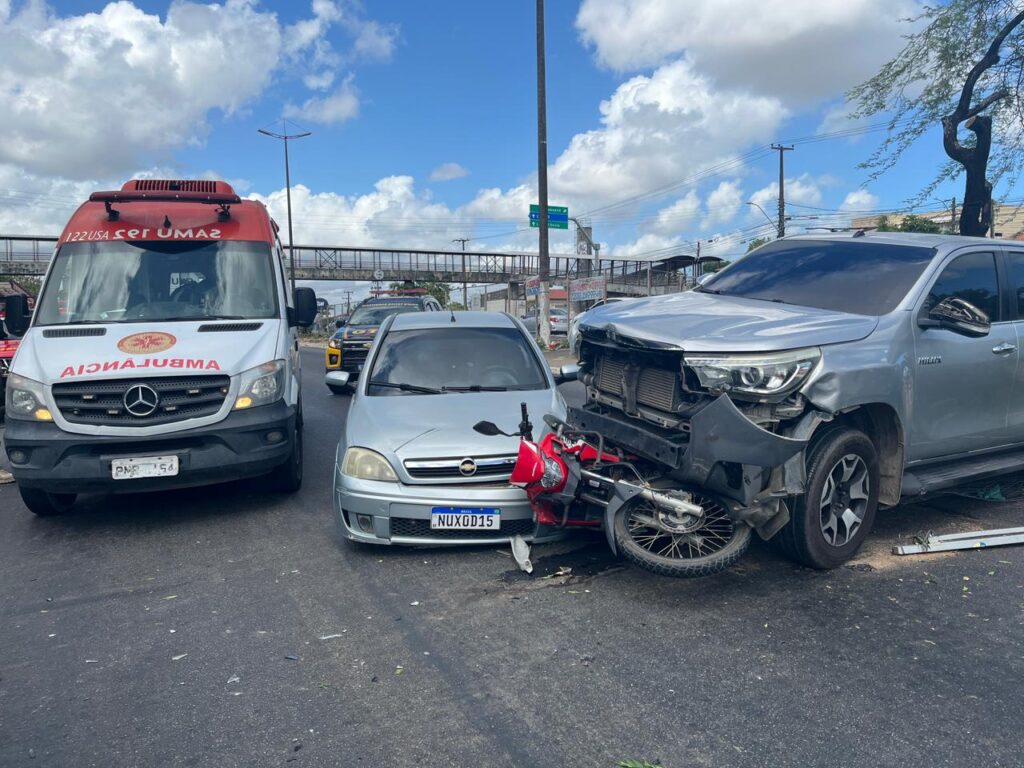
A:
(959, 316)
(305, 307)
(17, 316)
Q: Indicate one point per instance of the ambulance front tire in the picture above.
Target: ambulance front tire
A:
(46, 504)
(287, 477)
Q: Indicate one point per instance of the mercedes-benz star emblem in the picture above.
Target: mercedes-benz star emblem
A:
(467, 468)
(141, 400)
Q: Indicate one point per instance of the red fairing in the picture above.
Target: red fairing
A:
(529, 466)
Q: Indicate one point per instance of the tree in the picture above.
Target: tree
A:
(440, 291)
(954, 53)
(910, 223)
(756, 243)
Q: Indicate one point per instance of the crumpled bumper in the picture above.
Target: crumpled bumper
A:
(719, 435)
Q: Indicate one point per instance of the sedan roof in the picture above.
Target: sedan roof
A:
(420, 320)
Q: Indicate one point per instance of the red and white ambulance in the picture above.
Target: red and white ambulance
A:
(162, 351)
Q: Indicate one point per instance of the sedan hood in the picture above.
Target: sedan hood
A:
(694, 321)
(429, 426)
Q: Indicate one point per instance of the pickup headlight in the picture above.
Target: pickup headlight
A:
(764, 376)
(364, 464)
(25, 399)
(261, 385)
(334, 344)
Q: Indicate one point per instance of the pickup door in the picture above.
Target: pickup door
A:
(963, 385)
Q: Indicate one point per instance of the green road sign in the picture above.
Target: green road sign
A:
(558, 216)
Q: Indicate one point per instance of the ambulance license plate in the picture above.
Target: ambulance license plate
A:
(146, 466)
(465, 518)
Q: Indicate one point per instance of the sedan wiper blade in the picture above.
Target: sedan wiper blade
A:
(475, 388)
(406, 387)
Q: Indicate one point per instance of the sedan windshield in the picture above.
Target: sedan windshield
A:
(443, 360)
(375, 314)
(122, 282)
(863, 278)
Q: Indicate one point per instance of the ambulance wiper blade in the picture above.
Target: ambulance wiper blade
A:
(196, 318)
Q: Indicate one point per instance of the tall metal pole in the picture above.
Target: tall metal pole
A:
(288, 188)
(465, 298)
(782, 150)
(543, 310)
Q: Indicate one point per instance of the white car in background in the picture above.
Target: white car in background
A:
(574, 325)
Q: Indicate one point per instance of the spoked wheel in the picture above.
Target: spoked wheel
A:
(680, 545)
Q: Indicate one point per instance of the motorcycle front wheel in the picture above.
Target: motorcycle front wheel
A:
(668, 547)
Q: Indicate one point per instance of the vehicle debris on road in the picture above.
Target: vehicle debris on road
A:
(950, 542)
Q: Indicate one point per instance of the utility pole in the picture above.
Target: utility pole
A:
(782, 150)
(543, 310)
(284, 136)
(465, 299)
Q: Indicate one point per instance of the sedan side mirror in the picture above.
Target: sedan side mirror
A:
(567, 373)
(959, 316)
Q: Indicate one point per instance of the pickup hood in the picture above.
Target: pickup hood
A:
(397, 426)
(146, 349)
(703, 322)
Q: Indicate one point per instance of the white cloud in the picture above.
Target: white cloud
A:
(375, 40)
(338, 107)
(859, 200)
(103, 93)
(676, 217)
(803, 190)
(448, 171)
(801, 50)
(646, 247)
(723, 203)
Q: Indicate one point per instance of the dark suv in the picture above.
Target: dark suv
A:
(347, 348)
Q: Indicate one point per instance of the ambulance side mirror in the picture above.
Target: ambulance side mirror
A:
(17, 316)
(305, 307)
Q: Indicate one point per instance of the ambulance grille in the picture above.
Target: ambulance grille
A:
(102, 402)
(70, 333)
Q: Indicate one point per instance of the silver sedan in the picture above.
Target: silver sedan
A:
(409, 468)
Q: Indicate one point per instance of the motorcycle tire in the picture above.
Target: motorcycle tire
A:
(646, 550)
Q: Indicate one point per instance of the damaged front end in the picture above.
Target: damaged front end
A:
(732, 425)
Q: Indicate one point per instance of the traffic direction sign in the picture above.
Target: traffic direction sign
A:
(558, 216)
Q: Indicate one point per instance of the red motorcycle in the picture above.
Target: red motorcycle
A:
(573, 480)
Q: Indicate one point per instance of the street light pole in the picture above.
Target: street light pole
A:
(288, 188)
(543, 313)
(762, 210)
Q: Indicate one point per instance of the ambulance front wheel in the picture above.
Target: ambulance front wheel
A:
(47, 504)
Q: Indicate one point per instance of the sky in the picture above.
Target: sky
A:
(423, 115)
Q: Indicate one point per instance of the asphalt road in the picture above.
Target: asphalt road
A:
(230, 627)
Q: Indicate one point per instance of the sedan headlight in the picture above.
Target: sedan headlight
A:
(25, 399)
(334, 344)
(764, 376)
(261, 385)
(364, 464)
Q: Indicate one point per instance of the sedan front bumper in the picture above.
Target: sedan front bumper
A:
(400, 514)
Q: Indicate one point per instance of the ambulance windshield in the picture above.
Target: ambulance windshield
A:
(121, 282)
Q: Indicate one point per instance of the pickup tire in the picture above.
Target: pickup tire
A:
(336, 390)
(46, 504)
(830, 522)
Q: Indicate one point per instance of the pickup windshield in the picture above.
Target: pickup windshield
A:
(375, 314)
(123, 282)
(862, 278)
(445, 360)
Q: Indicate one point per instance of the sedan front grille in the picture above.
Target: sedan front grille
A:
(102, 402)
(655, 387)
(466, 468)
(420, 529)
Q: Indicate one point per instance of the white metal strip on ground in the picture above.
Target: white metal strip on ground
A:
(969, 540)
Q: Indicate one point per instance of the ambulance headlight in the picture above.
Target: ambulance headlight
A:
(261, 385)
(25, 399)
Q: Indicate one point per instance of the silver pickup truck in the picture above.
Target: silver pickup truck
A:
(806, 384)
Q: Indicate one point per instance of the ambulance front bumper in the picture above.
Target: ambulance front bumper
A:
(245, 444)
